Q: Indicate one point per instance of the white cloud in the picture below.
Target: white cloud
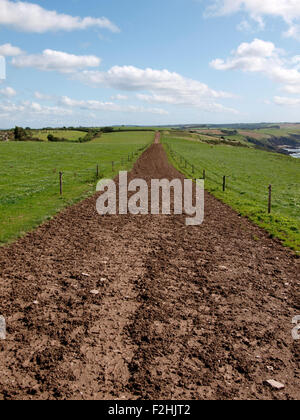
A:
(204, 104)
(130, 78)
(8, 92)
(8, 50)
(119, 97)
(94, 105)
(284, 101)
(143, 110)
(158, 86)
(43, 96)
(10, 109)
(51, 60)
(171, 100)
(89, 104)
(263, 57)
(245, 26)
(47, 110)
(31, 17)
(288, 10)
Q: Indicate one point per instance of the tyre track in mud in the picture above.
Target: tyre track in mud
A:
(181, 312)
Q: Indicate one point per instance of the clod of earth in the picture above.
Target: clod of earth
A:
(2, 328)
(95, 292)
(275, 384)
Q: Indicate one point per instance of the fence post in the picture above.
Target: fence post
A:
(113, 165)
(193, 169)
(97, 171)
(224, 183)
(204, 174)
(60, 183)
(270, 200)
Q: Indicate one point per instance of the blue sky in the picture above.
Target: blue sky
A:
(103, 62)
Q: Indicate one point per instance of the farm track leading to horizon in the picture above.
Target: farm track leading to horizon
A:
(182, 312)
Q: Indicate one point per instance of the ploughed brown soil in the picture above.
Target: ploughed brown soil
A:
(182, 312)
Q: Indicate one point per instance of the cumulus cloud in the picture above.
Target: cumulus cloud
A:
(8, 92)
(89, 104)
(263, 57)
(31, 17)
(130, 78)
(31, 108)
(158, 86)
(288, 10)
(8, 50)
(51, 60)
(108, 106)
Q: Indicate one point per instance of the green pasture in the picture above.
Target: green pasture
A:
(29, 176)
(249, 172)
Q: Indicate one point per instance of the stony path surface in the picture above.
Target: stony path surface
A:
(182, 312)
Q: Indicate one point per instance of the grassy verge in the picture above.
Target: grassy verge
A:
(29, 176)
(249, 173)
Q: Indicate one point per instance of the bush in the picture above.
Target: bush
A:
(20, 134)
(107, 130)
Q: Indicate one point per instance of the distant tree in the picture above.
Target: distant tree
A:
(107, 130)
(20, 133)
(51, 137)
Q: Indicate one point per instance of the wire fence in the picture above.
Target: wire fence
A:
(62, 178)
(190, 170)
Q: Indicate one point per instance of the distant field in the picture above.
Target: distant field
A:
(249, 172)
(269, 138)
(285, 131)
(29, 176)
(67, 134)
(129, 128)
(213, 132)
(123, 137)
(254, 134)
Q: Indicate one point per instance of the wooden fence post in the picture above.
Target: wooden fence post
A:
(270, 200)
(113, 165)
(60, 183)
(224, 183)
(97, 171)
(204, 174)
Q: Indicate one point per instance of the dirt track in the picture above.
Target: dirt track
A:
(183, 312)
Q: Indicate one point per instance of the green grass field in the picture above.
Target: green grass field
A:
(66, 134)
(29, 176)
(123, 138)
(249, 172)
